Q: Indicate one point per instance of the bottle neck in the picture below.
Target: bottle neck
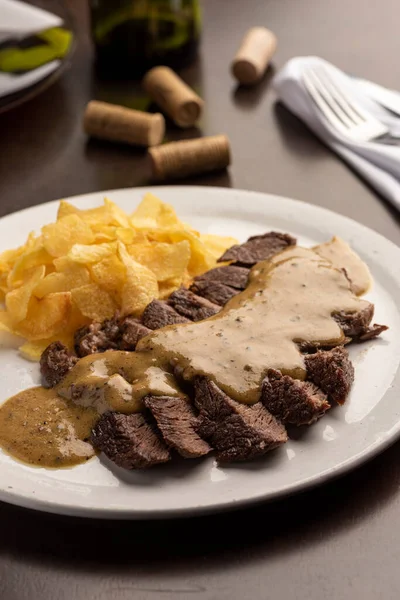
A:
(131, 36)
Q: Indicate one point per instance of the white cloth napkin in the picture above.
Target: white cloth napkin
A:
(377, 163)
(19, 20)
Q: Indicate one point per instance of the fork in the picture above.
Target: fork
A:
(343, 112)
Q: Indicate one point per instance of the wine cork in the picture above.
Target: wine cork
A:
(173, 96)
(190, 157)
(254, 54)
(119, 124)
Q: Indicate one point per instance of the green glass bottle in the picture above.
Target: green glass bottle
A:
(131, 36)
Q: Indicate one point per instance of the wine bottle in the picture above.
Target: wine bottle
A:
(131, 36)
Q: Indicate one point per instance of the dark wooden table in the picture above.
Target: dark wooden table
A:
(341, 541)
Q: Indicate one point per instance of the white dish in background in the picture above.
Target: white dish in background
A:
(343, 439)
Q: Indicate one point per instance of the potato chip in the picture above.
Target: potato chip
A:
(152, 213)
(159, 235)
(167, 261)
(117, 216)
(165, 288)
(100, 214)
(77, 276)
(17, 300)
(63, 263)
(201, 259)
(87, 255)
(75, 320)
(217, 244)
(34, 258)
(93, 262)
(65, 209)
(140, 287)
(33, 350)
(109, 273)
(103, 233)
(59, 237)
(45, 317)
(8, 258)
(4, 287)
(94, 302)
(126, 235)
(5, 321)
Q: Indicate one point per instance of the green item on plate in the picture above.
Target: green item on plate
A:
(51, 44)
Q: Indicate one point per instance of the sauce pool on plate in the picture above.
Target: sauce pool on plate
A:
(40, 428)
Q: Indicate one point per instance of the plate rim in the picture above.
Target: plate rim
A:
(220, 190)
(331, 473)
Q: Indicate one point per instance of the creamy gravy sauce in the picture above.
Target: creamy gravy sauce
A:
(284, 303)
(40, 428)
(340, 255)
(118, 381)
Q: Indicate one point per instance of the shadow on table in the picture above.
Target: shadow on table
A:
(219, 540)
(249, 97)
(298, 139)
(133, 166)
(217, 179)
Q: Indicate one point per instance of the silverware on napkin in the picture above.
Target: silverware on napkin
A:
(378, 163)
(340, 109)
(389, 99)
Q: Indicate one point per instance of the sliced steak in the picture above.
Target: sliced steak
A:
(311, 347)
(131, 331)
(176, 420)
(332, 371)
(55, 362)
(292, 401)
(97, 337)
(258, 247)
(129, 441)
(215, 292)
(231, 275)
(371, 332)
(357, 323)
(158, 314)
(191, 306)
(237, 432)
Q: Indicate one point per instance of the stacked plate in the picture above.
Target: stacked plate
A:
(35, 48)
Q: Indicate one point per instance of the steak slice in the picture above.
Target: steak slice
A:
(55, 362)
(129, 441)
(357, 323)
(371, 332)
(176, 420)
(258, 247)
(193, 307)
(158, 314)
(237, 432)
(131, 331)
(311, 347)
(231, 275)
(293, 401)
(215, 292)
(332, 371)
(97, 337)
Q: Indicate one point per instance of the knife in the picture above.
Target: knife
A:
(389, 99)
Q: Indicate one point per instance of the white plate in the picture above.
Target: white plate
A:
(343, 439)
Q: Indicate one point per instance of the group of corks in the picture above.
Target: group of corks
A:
(184, 107)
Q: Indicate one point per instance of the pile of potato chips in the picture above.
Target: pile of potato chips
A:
(91, 263)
